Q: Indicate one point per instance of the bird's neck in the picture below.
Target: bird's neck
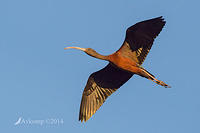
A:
(102, 57)
(99, 56)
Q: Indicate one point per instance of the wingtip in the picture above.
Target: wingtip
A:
(161, 17)
(82, 120)
(162, 20)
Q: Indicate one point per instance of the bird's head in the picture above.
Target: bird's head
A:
(88, 51)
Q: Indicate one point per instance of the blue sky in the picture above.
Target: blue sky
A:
(40, 81)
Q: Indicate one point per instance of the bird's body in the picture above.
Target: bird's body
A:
(122, 65)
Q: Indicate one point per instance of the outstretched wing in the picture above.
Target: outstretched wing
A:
(140, 37)
(100, 85)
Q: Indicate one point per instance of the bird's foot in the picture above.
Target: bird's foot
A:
(163, 84)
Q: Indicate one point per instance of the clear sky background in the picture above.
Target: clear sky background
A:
(39, 80)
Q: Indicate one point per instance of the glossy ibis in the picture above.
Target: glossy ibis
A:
(122, 65)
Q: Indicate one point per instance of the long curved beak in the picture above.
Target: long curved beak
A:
(82, 49)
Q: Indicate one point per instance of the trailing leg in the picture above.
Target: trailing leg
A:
(146, 74)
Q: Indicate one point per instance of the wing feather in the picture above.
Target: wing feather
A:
(100, 85)
(140, 37)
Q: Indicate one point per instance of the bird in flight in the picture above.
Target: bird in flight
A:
(123, 64)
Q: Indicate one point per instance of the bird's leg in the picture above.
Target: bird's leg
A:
(161, 83)
(152, 78)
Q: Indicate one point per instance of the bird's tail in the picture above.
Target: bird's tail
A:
(150, 76)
